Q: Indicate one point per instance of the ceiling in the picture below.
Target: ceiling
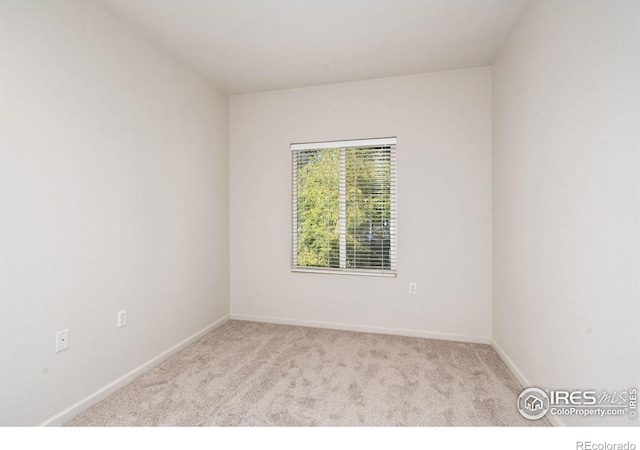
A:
(258, 45)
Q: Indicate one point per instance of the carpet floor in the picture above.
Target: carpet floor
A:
(257, 374)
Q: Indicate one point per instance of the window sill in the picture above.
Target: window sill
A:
(363, 273)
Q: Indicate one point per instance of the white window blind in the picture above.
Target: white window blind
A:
(344, 207)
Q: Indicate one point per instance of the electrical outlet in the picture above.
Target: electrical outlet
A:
(413, 287)
(62, 340)
(122, 318)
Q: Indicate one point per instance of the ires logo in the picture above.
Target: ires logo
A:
(633, 403)
(576, 398)
(591, 398)
(534, 403)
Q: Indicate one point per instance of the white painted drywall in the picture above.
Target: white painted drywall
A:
(443, 125)
(255, 46)
(114, 171)
(566, 197)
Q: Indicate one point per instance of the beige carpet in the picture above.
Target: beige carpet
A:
(257, 374)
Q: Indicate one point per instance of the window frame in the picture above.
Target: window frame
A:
(342, 145)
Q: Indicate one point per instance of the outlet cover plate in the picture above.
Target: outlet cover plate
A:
(62, 340)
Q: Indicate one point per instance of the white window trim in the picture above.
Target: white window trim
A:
(342, 145)
(349, 143)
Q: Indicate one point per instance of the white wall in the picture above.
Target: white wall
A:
(114, 196)
(443, 124)
(566, 197)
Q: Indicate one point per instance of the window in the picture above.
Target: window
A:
(344, 207)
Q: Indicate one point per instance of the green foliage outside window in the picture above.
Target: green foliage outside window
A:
(367, 181)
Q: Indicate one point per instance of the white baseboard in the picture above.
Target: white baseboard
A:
(68, 413)
(364, 328)
(555, 420)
